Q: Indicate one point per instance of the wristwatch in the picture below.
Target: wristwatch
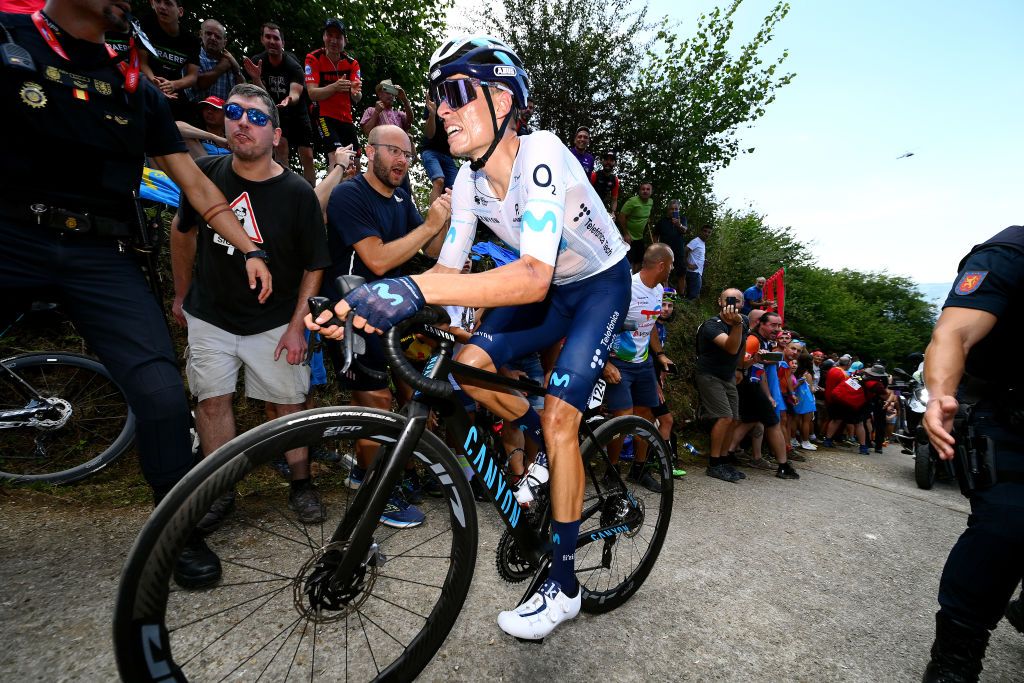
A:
(258, 253)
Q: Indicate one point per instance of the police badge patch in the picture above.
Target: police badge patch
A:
(969, 282)
(32, 94)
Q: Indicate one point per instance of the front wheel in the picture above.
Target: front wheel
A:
(87, 425)
(924, 466)
(611, 569)
(261, 621)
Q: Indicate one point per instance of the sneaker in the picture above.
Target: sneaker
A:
(398, 513)
(355, 477)
(218, 512)
(808, 446)
(796, 456)
(794, 443)
(814, 438)
(786, 471)
(863, 449)
(646, 480)
(827, 443)
(721, 472)
(1015, 614)
(307, 505)
(760, 464)
(197, 566)
(538, 616)
(411, 489)
(735, 472)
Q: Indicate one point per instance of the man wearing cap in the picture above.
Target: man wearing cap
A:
(384, 112)
(606, 183)
(219, 71)
(580, 143)
(210, 139)
(334, 83)
(876, 388)
(280, 74)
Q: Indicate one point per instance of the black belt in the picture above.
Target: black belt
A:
(67, 221)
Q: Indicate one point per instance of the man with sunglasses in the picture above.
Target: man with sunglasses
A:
(71, 233)
(227, 327)
(571, 281)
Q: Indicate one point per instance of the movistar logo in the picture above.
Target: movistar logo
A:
(559, 380)
(540, 224)
(450, 237)
(382, 290)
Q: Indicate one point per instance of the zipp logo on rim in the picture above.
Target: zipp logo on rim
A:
(504, 71)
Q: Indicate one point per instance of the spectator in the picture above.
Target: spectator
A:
(523, 125)
(855, 364)
(606, 183)
(280, 74)
(848, 403)
(383, 112)
(219, 72)
(879, 398)
(804, 405)
(631, 377)
(719, 350)
(208, 140)
(696, 250)
(435, 153)
(580, 143)
(662, 413)
(176, 64)
(373, 230)
(227, 327)
(334, 84)
(633, 220)
(753, 296)
(671, 230)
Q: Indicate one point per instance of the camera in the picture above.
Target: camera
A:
(390, 89)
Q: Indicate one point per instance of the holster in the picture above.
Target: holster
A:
(975, 461)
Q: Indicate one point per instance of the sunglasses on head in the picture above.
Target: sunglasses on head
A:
(458, 92)
(234, 112)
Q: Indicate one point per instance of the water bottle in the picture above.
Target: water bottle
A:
(536, 476)
(627, 449)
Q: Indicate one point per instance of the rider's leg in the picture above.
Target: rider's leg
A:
(561, 428)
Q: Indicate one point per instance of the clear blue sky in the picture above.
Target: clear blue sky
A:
(942, 79)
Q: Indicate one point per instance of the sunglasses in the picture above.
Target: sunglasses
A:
(458, 92)
(234, 112)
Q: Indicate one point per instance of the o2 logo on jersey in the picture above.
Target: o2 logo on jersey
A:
(504, 71)
(540, 224)
(542, 177)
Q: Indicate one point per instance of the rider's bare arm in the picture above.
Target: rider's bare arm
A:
(523, 281)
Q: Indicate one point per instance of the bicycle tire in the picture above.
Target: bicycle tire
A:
(157, 628)
(99, 427)
(621, 584)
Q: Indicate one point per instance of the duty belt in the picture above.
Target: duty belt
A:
(78, 222)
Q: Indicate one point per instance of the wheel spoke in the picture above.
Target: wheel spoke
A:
(231, 628)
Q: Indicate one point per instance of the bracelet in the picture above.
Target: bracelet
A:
(217, 213)
(220, 205)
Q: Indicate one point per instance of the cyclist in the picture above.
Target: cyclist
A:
(572, 280)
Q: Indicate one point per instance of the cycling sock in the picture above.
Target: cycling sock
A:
(529, 424)
(299, 484)
(563, 555)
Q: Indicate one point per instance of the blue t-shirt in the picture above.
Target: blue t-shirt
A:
(750, 295)
(771, 373)
(357, 211)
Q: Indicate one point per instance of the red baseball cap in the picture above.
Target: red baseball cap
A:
(214, 101)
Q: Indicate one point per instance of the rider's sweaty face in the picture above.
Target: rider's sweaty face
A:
(469, 127)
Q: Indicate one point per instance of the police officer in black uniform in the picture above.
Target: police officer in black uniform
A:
(976, 417)
(77, 122)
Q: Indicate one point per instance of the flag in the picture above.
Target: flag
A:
(775, 290)
(158, 187)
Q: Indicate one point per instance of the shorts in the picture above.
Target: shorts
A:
(638, 386)
(332, 133)
(439, 165)
(719, 398)
(296, 128)
(755, 406)
(530, 364)
(636, 251)
(374, 359)
(587, 313)
(214, 357)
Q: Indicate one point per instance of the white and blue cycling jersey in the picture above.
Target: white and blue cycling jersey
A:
(550, 212)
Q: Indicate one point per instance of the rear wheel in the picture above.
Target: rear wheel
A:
(612, 569)
(86, 427)
(924, 466)
(384, 622)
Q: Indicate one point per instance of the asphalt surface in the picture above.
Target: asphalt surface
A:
(830, 578)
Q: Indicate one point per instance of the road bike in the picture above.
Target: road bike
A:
(62, 417)
(352, 599)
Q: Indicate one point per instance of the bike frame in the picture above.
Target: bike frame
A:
(37, 407)
(356, 531)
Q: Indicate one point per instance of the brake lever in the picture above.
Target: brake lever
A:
(353, 345)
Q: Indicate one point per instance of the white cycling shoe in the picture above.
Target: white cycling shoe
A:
(538, 616)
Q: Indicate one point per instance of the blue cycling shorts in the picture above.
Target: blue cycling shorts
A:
(587, 314)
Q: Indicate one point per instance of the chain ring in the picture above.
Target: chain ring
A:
(512, 566)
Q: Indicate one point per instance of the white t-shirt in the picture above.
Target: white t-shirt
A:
(696, 258)
(644, 308)
(551, 212)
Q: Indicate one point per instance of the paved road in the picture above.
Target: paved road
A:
(832, 578)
